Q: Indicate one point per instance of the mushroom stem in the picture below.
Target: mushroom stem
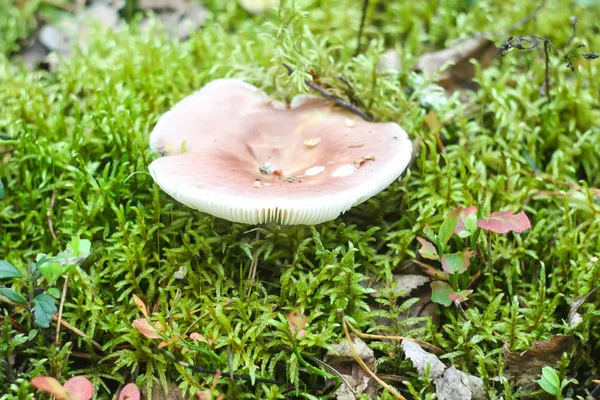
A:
(338, 100)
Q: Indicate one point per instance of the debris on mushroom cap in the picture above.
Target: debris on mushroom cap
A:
(246, 158)
(312, 142)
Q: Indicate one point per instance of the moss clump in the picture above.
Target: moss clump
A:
(80, 133)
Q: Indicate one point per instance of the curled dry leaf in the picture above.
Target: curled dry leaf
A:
(130, 392)
(144, 327)
(140, 305)
(505, 221)
(524, 367)
(421, 359)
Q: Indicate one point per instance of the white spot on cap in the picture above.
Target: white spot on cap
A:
(344, 170)
(314, 170)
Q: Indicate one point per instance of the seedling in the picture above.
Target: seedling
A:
(452, 284)
(43, 305)
(552, 384)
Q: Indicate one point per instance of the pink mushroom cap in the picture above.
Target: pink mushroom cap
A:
(231, 151)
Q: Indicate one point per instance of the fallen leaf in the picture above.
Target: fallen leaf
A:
(140, 305)
(461, 74)
(79, 388)
(130, 392)
(574, 317)
(456, 385)
(432, 121)
(505, 221)
(50, 385)
(340, 357)
(198, 337)
(404, 284)
(427, 249)
(524, 367)
(297, 322)
(144, 327)
(421, 359)
(460, 226)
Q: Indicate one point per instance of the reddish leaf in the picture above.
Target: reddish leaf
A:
(460, 226)
(130, 392)
(140, 305)
(79, 388)
(50, 385)
(455, 262)
(461, 296)
(440, 292)
(297, 322)
(427, 249)
(505, 221)
(144, 327)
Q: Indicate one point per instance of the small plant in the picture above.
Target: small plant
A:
(451, 285)
(552, 384)
(77, 388)
(41, 303)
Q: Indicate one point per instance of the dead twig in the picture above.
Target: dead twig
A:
(60, 310)
(338, 100)
(345, 325)
(77, 332)
(363, 17)
(49, 217)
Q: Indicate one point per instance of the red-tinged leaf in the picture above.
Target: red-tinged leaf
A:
(79, 388)
(449, 225)
(140, 305)
(130, 392)
(50, 385)
(440, 292)
(297, 322)
(144, 327)
(460, 225)
(505, 221)
(427, 249)
(461, 296)
(455, 262)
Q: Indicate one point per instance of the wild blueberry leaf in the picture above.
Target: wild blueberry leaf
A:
(449, 225)
(461, 296)
(50, 385)
(130, 392)
(12, 295)
(43, 309)
(427, 249)
(467, 221)
(440, 292)
(551, 376)
(52, 271)
(505, 221)
(143, 326)
(455, 262)
(9, 271)
(79, 388)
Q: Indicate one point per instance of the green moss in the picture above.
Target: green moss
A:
(80, 133)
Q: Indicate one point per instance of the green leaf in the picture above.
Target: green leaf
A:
(427, 249)
(80, 247)
(440, 292)
(449, 225)
(54, 292)
(52, 271)
(2, 193)
(44, 307)
(7, 270)
(12, 295)
(455, 262)
(551, 376)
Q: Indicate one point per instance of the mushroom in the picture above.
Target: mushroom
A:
(230, 151)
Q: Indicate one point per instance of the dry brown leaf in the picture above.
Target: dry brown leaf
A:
(526, 366)
(405, 284)
(140, 305)
(460, 75)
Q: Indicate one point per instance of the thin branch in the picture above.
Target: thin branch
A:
(60, 310)
(49, 217)
(77, 331)
(363, 17)
(339, 101)
(527, 18)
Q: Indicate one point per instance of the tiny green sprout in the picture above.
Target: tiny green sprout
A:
(551, 382)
